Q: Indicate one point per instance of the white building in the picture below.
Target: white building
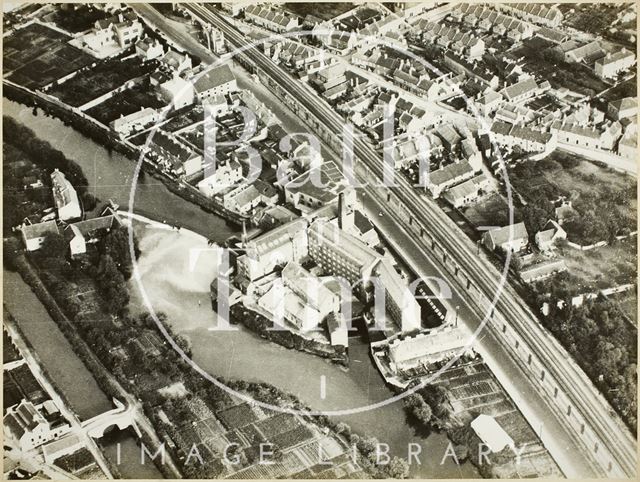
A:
(609, 66)
(30, 428)
(435, 345)
(506, 239)
(127, 32)
(65, 197)
(33, 234)
(177, 92)
(491, 433)
(551, 233)
(149, 49)
(90, 231)
(466, 192)
(214, 82)
(225, 176)
(126, 124)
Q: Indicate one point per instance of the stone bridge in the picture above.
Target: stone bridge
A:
(122, 416)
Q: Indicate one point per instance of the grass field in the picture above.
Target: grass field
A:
(37, 55)
(603, 267)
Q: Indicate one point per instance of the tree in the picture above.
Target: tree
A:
(609, 359)
(398, 468)
(113, 285)
(53, 246)
(116, 245)
(89, 201)
(413, 400)
(343, 429)
(423, 413)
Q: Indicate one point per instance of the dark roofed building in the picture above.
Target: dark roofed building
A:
(509, 238)
(214, 82)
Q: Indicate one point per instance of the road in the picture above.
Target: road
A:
(422, 215)
(559, 443)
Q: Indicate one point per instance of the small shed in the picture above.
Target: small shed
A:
(491, 433)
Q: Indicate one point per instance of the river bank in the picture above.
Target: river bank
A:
(183, 293)
(68, 372)
(110, 175)
(181, 290)
(103, 136)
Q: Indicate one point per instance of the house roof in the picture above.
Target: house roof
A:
(361, 222)
(278, 236)
(174, 59)
(576, 130)
(90, 226)
(503, 235)
(520, 132)
(146, 114)
(490, 97)
(447, 133)
(330, 176)
(172, 146)
(214, 78)
(449, 172)
(624, 103)
(551, 34)
(269, 15)
(616, 57)
(462, 190)
(146, 43)
(523, 87)
(34, 231)
(543, 269)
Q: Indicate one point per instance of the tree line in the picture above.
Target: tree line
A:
(47, 157)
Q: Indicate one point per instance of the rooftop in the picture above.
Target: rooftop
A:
(331, 177)
(214, 78)
(503, 235)
(34, 231)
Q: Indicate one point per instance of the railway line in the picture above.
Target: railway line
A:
(510, 311)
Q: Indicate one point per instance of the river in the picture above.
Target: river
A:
(69, 374)
(173, 287)
(110, 175)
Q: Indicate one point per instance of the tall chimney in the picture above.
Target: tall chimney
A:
(244, 234)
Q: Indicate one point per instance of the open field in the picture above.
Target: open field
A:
(125, 103)
(603, 267)
(491, 210)
(327, 12)
(37, 55)
(541, 60)
(99, 80)
(604, 200)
